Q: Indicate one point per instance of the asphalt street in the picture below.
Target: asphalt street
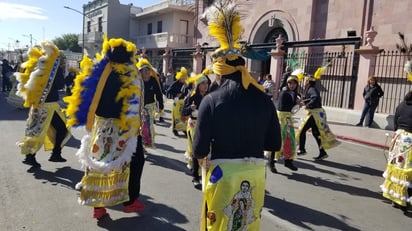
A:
(339, 193)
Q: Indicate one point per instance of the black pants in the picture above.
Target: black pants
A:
(6, 84)
(315, 132)
(195, 169)
(136, 170)
(61, 131)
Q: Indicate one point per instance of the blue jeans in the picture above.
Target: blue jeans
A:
(368, 108)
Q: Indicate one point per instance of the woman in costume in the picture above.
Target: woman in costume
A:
(190, 109)
(397, 186)
(288, 99)
(106, 99)
(235, 124)
(315, 118)
(39, 85)
(152, 95)
(179, 90)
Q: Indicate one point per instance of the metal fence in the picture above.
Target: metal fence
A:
(392, 78)
(337, 81)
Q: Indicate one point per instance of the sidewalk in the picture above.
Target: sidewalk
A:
(374, 137)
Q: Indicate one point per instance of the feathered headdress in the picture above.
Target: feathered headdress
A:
(405, 49)
(182, 73)
(224, 24)
(198, 79)
(117, 55)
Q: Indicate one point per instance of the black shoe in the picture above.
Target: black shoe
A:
(175, 133)
(289, 164)
(301, 152)
(359, 124)
(56, 158)
(197, 184)
(322, 155)
(272, 167)
(31, 160)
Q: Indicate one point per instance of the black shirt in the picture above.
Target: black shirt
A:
(313, 96)
(152, 90)
(286, 101)
(236, 123)
(108, 107)
(403, 116)
(58, 83)
(187, 109)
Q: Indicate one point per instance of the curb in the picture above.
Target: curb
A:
(346, 138)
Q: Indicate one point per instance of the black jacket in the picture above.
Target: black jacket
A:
(153, 90)
(403, 116)
(371, 94)
(236, 123)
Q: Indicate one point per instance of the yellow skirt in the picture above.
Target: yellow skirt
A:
(233, 195)
(328, 139)
(398, 173)
(38, 130)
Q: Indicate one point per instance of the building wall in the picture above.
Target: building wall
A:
(312, 19)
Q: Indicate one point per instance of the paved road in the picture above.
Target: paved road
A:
(340, 193)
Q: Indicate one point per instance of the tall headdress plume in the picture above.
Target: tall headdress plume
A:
(224, 24)
(407, 50)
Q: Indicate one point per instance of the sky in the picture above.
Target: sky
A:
(41, 20)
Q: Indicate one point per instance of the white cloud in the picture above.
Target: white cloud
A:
(19, 11)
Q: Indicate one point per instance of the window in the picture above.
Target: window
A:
(89, 26)
(149, 28)
(100, 23)
(159, 26)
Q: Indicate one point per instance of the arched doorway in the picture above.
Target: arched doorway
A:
(270, 39)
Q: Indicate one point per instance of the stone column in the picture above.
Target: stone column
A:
(167, 56)
(367, 62)
(197, 60)
(276, 64)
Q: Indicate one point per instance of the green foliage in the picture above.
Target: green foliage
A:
(68, 42)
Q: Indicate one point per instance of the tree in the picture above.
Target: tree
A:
(68, 42)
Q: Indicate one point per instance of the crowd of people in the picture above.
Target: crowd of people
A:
(116, 96)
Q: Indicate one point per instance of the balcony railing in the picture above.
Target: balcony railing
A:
(161, 40)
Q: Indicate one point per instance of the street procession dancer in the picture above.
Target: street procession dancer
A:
(39, 85)
(315, 119)
(190, 109)
(288, 100)
(106, 99)
(152, 95)
(235, 124)
(179, 91)
(397, 185)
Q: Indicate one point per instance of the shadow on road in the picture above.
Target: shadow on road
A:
(65, 176)
(73, 142)
(154, 217)
(299, 215)
(318, 182)
(166, 162)
(7, 112)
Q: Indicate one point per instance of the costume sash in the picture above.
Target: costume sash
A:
(50, 80)
(288, 148)
(328, 139)
(148, 129)
(234, 194)
(398, 173)
(178, 121)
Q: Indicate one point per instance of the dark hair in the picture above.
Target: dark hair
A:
(408, 96)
